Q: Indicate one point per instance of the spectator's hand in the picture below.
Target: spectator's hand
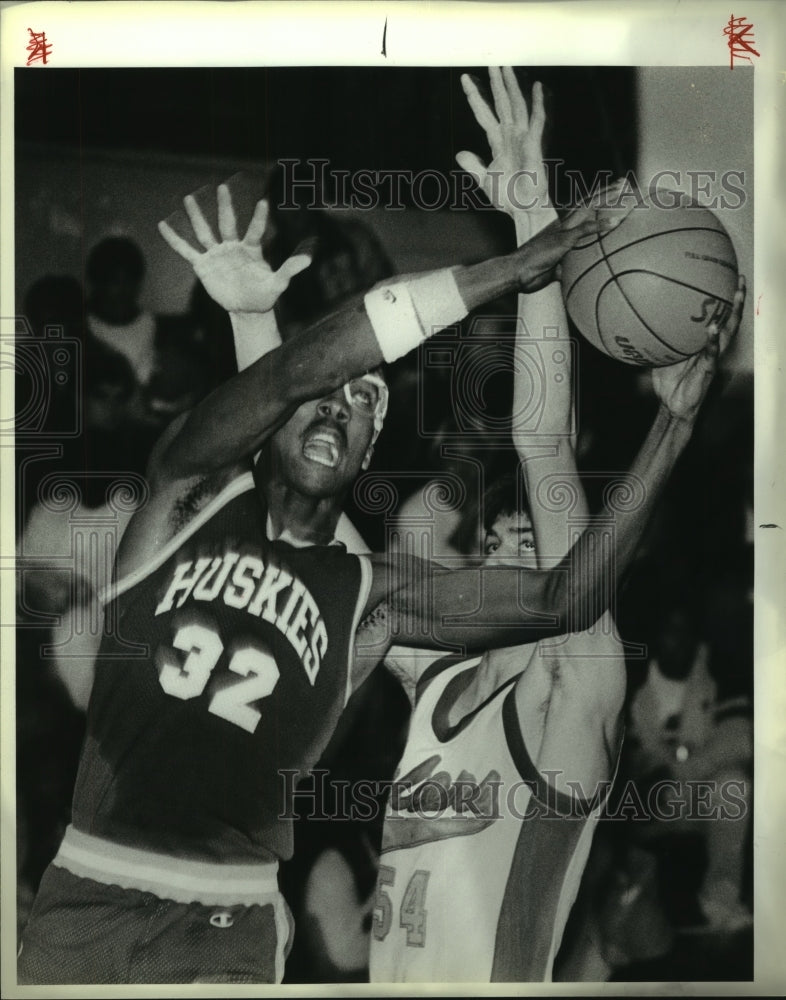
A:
(681, 388)
(233, 271)
(515, 181)
(539, 257)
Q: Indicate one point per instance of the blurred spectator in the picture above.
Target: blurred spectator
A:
(115, 271)
(66, 547)
(55, 303)
(170, 371)
(688, 756)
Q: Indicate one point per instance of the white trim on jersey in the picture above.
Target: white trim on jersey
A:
(287, 536)
(366, 575)
(242, 484)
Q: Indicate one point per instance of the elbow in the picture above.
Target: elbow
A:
(556, 598)
(572, 609)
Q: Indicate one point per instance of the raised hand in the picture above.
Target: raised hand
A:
(234, 271)
(681, 388)
(515, 181)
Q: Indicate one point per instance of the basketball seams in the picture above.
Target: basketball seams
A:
(675, 281)
(633, 309)
(626, 300)
(606, 256)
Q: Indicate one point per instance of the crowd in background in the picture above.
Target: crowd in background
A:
(661, 899)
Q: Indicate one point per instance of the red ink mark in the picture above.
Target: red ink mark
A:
(38, 47)
(740, 35)
(758, 304)
(384, 39)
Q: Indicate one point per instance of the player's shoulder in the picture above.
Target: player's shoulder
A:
(158, 527)
(201, 492)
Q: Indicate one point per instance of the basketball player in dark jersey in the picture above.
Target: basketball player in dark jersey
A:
(227, 654)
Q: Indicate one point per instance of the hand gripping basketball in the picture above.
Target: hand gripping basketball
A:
(681, 388)
(539, 257)
(234, 271)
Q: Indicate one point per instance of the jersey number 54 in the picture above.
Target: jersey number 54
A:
(412, 912)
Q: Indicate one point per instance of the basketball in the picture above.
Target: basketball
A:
(646, 292)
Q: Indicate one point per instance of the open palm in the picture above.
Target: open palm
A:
(515, 180)
(233, 271)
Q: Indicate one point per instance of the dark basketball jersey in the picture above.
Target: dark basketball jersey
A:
(241, 674)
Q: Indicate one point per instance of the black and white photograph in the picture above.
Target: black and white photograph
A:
(392, 512)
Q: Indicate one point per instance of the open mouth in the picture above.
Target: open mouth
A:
(323, 445)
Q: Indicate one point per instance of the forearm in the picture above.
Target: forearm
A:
(254, 335)
(550, 477)
(488, 607)
(473, 608)
(529, 222)
(604, 551)
(233, 421)
(546, 453)
(542, 332)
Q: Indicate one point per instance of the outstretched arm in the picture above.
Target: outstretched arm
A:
(492, 606)
(214, 440)
(579, 677)
(515, 181)
(489, 607)
(233, 421)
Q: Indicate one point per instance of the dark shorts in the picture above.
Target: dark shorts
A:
(82, 931)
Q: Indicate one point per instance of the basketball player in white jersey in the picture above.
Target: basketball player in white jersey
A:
(509, 755)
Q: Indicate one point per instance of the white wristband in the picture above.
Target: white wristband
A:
(406, 313)
(394, 320)
(437, 300)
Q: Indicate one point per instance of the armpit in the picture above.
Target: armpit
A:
(197, 493)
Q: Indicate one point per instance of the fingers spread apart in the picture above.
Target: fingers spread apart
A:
(227, 225)
(502, 101)
(178, 244)
(292, 266)
(202, 230)
(483, 113)
(256, 227)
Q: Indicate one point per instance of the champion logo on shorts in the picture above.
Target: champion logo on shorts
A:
(222, 919)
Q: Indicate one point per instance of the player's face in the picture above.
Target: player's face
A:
(511, 539)
(321, 448)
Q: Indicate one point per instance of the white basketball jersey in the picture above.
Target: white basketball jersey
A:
(477, 875)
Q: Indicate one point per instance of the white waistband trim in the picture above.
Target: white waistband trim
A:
(180, 879)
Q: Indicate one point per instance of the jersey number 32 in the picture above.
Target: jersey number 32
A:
(188, 678)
